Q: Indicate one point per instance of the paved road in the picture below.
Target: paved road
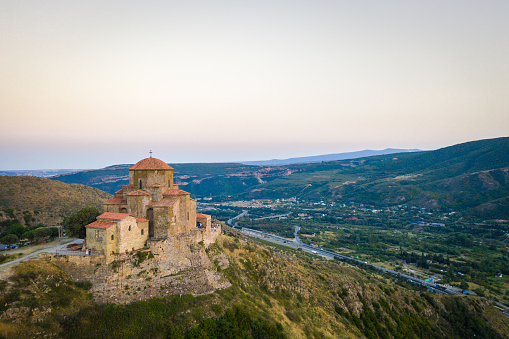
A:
(238, 216)
(275, 216)
(54, 249)
(295, 243)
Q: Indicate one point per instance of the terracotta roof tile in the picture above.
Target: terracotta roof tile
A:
(112, 216)
(201, 215)
(120, 191)
(101, 224)
(130, 185)
(141, 219)
(163, 202)
(151, 164)
(175, 192)
(138, 192)
(115, 201)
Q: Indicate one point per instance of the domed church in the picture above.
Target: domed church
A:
(151, 208)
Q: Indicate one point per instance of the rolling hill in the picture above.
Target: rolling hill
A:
(275, 293)
(471, 177)
(47, 196)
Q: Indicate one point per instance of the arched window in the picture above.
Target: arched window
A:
(112, 237)
(129, 227)
(142, 231)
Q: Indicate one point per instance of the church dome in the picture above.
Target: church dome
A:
(151, 164)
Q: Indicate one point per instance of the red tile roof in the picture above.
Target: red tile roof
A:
(175, 192)
(138, 192)
(115, 201)
(112, 216)
(141, 219)
(151, 164)
(101, 224)
(201, 215)
(130, 185)
(119, 191)
(163, 202)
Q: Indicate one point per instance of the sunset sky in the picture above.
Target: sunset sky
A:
(88, 84)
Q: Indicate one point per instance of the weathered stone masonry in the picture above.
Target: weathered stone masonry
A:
(150, 242)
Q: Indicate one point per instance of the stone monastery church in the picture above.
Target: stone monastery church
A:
(150, 209)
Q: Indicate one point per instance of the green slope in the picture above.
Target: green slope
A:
(469, 177)
(274, 294)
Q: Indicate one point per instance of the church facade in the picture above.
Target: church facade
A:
(150, 208)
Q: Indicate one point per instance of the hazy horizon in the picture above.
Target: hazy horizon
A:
(175, 162)
(92, 84)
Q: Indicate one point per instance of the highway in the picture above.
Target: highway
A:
(296, 243)
(238, 216)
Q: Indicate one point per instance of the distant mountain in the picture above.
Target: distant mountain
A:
(45, 195)
(44, 173)
(110, 179)
(328, 157)
(472, 177)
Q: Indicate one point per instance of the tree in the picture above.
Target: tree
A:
(16, 229)
(9, 239)
(75, 224)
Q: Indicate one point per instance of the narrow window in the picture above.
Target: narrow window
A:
(112, 237)
(187, 215)
(140, 185)
(142, 231)
(98, 236)
(129, 227)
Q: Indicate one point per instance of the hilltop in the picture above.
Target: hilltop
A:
(275, 293)
(471, 177)
(47, 197)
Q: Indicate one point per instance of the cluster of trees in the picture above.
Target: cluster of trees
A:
(156, 319)
(75, 224)
(13, 231)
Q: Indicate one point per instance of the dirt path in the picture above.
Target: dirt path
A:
(33, 251)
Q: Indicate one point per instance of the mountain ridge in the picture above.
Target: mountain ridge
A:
(328, 157)
(419, 178)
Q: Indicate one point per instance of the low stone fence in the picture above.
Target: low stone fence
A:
(69, 252)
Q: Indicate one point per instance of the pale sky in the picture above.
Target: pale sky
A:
(88, 84)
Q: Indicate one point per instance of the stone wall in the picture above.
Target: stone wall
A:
(167, 267)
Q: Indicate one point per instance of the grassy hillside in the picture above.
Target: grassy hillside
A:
(47, 196)
(275, 294)
(471, 177)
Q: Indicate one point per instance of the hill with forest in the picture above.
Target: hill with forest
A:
(41, 196)
(275, 293)
(471, 177)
